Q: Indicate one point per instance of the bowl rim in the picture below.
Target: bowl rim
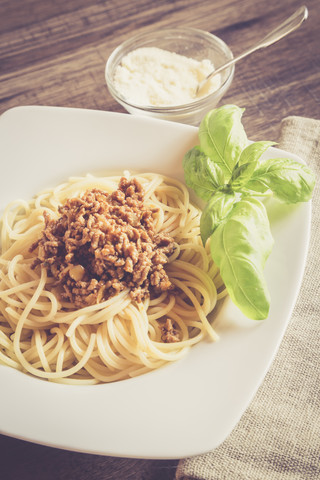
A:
(168, 109)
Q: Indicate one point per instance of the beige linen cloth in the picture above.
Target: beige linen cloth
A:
(278, 437)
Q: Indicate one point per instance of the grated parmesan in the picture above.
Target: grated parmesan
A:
(156, 77)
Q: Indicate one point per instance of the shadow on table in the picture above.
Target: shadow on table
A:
(22, 460)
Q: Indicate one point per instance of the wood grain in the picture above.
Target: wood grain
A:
(54, 53)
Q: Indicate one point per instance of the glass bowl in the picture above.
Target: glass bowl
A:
(189, 42)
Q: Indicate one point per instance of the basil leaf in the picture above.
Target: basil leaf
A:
(241, 175)
(254, 151)
(289, 180)
(216, 210)
(201, 173)
(222, 137)
(248, 162)
(240, 247)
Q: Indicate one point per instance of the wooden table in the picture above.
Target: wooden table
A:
(54, 52)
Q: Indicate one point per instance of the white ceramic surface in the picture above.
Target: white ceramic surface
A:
(182, 409)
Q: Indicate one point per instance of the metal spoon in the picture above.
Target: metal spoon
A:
(288, 26)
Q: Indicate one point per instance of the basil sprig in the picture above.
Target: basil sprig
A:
(226, 171)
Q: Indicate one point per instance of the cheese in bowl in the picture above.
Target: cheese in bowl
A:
(156, 74)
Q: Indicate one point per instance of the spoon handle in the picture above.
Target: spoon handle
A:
(288, 26)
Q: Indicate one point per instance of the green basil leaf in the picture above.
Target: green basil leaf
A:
(289, 180)
(240, 247)
(201, 174)
(248, 162)
(216, 210)
(242, 174)
(254, 151)
(222, 137)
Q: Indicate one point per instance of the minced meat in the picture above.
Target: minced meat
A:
(169, 333)
(104, 243)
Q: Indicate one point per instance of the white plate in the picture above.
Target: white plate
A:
(180, 410)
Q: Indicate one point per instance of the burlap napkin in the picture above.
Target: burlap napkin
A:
(278, 437)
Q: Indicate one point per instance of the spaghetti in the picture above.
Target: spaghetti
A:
(44, 334)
